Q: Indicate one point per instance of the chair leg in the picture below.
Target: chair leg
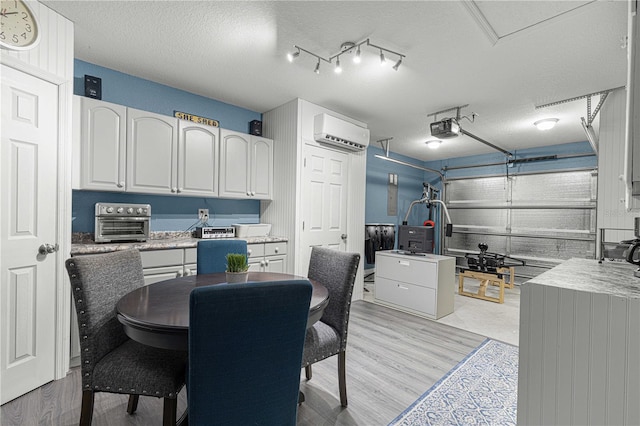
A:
(133, 404)
(342, 377)
(169, 413)
(86, 412)
(307, 372)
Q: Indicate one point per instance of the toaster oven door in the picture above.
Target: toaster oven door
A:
(111, 229)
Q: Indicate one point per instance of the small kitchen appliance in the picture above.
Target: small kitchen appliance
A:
(208, 232)
(122, 222)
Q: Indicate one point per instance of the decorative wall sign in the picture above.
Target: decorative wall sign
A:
(196, 119)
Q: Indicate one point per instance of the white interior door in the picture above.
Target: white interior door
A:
(324, 207)
(28, 218)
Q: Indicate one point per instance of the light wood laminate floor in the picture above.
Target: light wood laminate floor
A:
(392, 359)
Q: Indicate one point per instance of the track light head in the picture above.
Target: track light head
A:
(338, 68)
(292, 56)
(356, 58)
(317, 69)
(397, 65)
(383, 61)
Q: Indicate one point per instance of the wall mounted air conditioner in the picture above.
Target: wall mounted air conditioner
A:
(335, 131)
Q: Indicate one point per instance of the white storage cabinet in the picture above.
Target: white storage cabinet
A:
(267, 257)
(160, 265)
(100, 136)
(423, 285)
(246, 166)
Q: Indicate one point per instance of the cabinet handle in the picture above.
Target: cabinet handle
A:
(249, 252)
(402, 287)
(187, 272)
(266, 262)
(174, 189)
(120, 185)
(180, 189)
(178, 274)
(276, 250)
(253, 193)
(404, 263)
(248, 194)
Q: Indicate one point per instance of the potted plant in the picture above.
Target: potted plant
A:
(237, 268)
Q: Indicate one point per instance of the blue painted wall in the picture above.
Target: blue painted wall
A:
(169, 213)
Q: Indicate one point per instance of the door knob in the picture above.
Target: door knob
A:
(47, 249)
(344, 237)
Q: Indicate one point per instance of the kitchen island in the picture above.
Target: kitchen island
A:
(579, 359)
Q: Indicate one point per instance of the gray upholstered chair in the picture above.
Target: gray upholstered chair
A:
(336, 270)
(111, 362)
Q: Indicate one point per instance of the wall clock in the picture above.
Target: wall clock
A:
(19, 29)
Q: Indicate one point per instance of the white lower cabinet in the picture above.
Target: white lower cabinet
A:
(420, 284)
(160, 265)
(267, 257)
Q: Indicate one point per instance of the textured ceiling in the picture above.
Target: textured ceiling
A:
(502, 58)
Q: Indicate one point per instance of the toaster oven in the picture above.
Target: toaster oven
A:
(122, 222)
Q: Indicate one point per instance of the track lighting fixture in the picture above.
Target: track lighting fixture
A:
(347, 48)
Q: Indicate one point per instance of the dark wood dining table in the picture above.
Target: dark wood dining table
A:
(158, 314)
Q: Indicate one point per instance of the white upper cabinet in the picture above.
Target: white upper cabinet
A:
(152, 152)
(102, 144)
(197, 159)
(246, 166)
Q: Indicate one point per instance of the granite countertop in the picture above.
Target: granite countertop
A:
(611, 278)
(82, 243)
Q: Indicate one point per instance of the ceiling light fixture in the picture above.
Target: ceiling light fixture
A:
(292, 56)
(345, 48)
(434, 143)
(546, 124)
(357, 59)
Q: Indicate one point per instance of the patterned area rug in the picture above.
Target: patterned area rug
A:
(481, 390)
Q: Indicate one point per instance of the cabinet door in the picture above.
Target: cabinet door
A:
(275, 264)
(102, 145)
(234, 164)
(197, 159)
(256, 265)
(152, 149)
(261, 168)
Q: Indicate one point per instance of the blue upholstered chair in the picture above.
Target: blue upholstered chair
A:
(336, 270)
(236, 330)
(211, 254)
(111, 362)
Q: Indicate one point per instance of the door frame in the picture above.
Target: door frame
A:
(63, 201)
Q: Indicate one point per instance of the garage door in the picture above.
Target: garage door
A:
(542, 218)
